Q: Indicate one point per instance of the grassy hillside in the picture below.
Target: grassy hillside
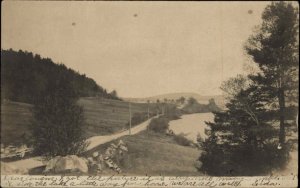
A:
(103, 116)
(156, 154)
(15, 118)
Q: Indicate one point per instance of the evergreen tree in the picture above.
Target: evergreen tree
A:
(241, 140)
(274, 49)
(57, 128)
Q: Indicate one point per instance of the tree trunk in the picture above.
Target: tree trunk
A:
(281, 114)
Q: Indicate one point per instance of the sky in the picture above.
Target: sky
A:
(139, 49)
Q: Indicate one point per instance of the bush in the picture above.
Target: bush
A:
(160, 124)
(181, 140)
(171, 112)
(241, 160)
(58, 121)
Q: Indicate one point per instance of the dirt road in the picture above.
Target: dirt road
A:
(93, 142)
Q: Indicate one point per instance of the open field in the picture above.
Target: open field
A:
(15, 119)
(155, 154)
(103, 116)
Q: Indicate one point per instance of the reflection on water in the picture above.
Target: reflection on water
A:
(191, 125)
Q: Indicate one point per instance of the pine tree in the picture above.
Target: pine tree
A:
(274, 48)
(241, 140)
(57, 128)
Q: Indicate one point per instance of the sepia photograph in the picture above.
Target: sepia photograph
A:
(149, 93)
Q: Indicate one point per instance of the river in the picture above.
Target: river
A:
(191, 125)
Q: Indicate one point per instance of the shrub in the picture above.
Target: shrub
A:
(160, 124)
(182, 140)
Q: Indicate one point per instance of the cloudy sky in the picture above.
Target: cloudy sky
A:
(138, 48)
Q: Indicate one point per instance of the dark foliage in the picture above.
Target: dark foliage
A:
(171, 112)
(159, 125)
(275, 49)
(242, 140)
(182, 140)
(58, 120)
(194, 107)
(241, 160)
(26, 77)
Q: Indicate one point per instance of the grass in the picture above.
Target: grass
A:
(149, 153)
(103, 117)
(153, 153)
(15, 118)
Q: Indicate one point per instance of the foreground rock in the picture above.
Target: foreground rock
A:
(109, 159)
(8, 169)
(70, 163)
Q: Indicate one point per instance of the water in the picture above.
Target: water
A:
(191, 125)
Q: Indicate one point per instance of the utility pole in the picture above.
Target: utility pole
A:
(148, 110)
(129, 118)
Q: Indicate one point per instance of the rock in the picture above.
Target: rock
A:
(8, 169)
(108, 151)
(99, 167)
(90, 160)
(113, 146)
(198, 164)
(68, 163)
(109, 163)
(119, 170)
(121, 143)
(51, 164)
(124, 148)
(95, 154)
(100, 158)
(85, 160)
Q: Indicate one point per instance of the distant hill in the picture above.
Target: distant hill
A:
(25, 76)
(219, 99)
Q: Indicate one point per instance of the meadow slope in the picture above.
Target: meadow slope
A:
(102, 117)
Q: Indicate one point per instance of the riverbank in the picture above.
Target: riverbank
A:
(191, 125)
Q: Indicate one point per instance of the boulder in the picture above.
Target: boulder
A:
(8, 169)
(198, 164)
(124, 148)
(100, 158)
(113, 146)
(95, 154)
(51, 164)
(121, 143)
(69, 163)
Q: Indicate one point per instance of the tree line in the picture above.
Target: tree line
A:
(26, 77)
